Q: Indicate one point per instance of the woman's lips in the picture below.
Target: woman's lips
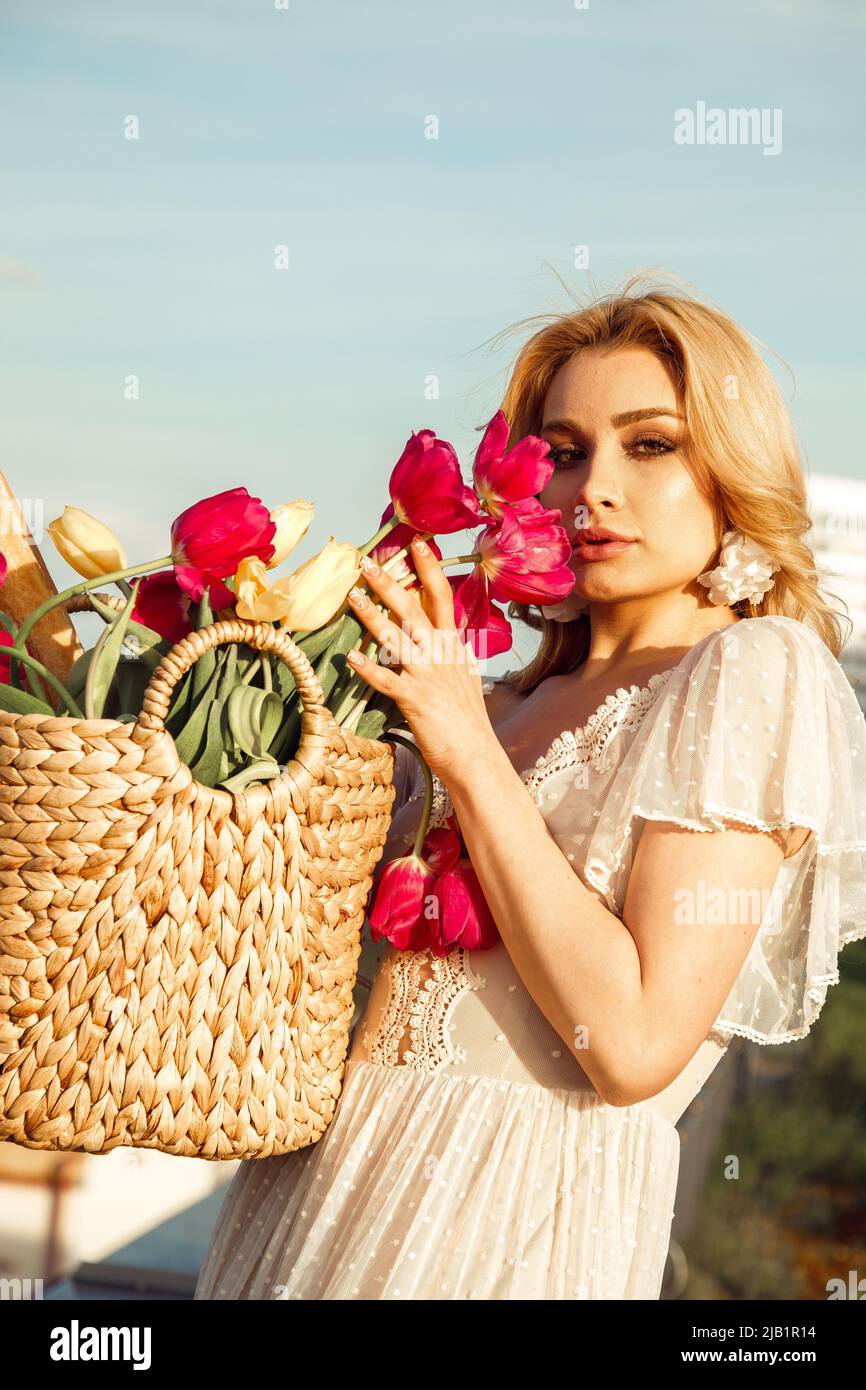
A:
(600, 550)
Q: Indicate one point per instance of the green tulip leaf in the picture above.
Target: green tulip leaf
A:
(344, 633)
(254, 717)
(259, 770)
(149, 646)
(185, 697)
(16, 701)
(332, 664)
(77, 677)
(206, 664)
(315, 642)
(371, 723)
(179, 705)
(285, 745)
(214, 760)
(189, 739)
(313, 645)
(227, 664)
(131, 679)
(106, 657)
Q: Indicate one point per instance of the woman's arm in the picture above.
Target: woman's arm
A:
(409, 799)
(632, 999)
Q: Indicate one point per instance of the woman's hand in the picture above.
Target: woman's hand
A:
(424, 665)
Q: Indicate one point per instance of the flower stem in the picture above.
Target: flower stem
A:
(380, 535)
(460, 560)
(72, 592)
(36, 686)
(20, 655)
(428, 790)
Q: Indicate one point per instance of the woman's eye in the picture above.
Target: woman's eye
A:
(647, 446)
(656, 443)
(560, 457)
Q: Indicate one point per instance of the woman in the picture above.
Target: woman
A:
(666, 813)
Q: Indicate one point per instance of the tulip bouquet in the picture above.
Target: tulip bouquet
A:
(235, 716)
(431, 900)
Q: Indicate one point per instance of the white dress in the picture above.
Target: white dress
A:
(469, 1155)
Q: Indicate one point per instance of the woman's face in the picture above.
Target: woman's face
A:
(617, 441)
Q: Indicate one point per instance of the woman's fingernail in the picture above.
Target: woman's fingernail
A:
(358, 597)
(355, 657)
(369, 566)
(421, 546)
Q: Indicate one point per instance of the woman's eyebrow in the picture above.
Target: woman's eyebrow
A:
(627, 418)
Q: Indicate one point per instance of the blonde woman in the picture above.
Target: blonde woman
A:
(666, 813)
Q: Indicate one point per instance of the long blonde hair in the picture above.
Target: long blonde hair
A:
(741, 444)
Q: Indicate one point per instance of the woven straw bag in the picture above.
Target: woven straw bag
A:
(177, 962)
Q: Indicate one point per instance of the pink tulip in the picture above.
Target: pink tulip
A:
(509, 475)
(399, 912)
(487, 627)
(442, 846)
(401, 897)
(525, 555)
(427, 489)
(463, 917)
(6, 640)
(209, 540)
(163, 606)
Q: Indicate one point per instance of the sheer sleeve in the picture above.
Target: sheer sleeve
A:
(758, 727)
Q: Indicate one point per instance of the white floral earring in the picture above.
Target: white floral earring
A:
(568, 608)
(745, 571)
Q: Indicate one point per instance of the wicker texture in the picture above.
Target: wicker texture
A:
(176, 961)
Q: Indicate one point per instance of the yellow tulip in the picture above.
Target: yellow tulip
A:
(292, 521)
(256, 599)
(318, 588)
(86, 544)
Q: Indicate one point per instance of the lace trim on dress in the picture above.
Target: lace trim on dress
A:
(421, 1003)
(589, 743)
(816, 992)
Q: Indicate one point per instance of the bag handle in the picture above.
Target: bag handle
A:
(264, 637)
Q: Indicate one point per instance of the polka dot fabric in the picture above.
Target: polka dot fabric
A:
(453, 1187)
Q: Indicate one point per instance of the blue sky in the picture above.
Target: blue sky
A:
(305, 127)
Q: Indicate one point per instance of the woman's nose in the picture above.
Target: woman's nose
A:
(599, 483)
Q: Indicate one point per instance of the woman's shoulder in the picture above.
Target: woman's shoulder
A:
(767, 648)
(765, 686)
